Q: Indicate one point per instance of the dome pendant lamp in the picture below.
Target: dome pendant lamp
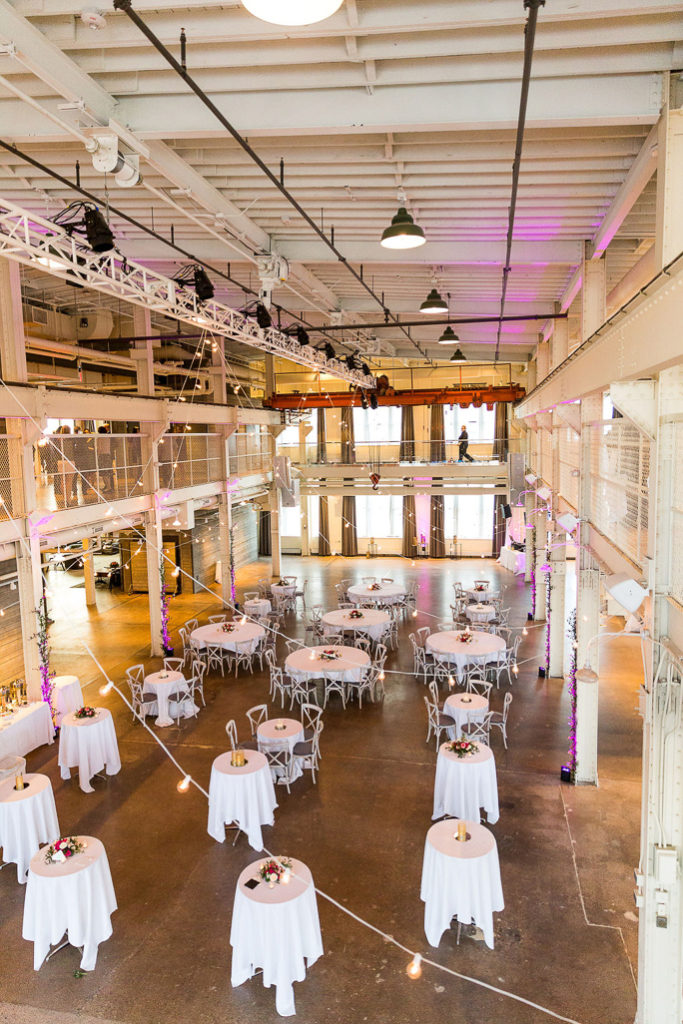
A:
(434, 303)
(292, 12)
(458, 357)
(403, 232)
(449, 337)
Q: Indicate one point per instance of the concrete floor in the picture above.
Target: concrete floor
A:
(361, 830)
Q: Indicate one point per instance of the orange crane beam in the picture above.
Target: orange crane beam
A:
(462, 396)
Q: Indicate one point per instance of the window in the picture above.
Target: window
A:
(468, 517)
(288, 440)
(480, 423)
(290, 521)
(377, 426)
(379, 516)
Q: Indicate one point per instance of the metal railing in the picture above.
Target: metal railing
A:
(186, 460)
(84, 469)
(677, 522)
(250, 451)
(419, 451)
(11, 484)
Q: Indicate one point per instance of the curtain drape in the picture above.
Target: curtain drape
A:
(409, 526)
(500, 452)
(348, 443)
(436, 435)
(264, 546)
(407, 446)
(349, 533)
(321, 451)
(437, 545)
(324, 527)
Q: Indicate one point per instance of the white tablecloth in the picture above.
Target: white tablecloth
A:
(388, 593)
(373, 623)
(26, 729)
(464, 706)
(250, 633)
(465, 784)
(27, 819)
(269, 735)
(257, 606)
(242, 795)
(76, 897)
(448, 647)
(460, 880)
(513, 560)
(277, 930)
(162, 684)
(88, 744)
(480, 612)
(66, 696)
(279, 592)
(481, 595)
(350, 667)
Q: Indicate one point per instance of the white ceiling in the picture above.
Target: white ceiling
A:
(419, 95)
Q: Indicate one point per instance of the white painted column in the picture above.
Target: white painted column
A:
(143, 351)
(224, 534)
(593, 295)
(89, 572)
(305, 527)
(153, 548)
(270, 375)
(560, 340)
(540, 522)
(558, 623)
(669, 222)
(542, 360)
(220, 385)
(30, 587)
(275, 547)
(529, 504)
(12, 344)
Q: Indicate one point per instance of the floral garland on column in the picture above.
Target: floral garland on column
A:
(547, 568)
(165, 635)
(571, 686)
(46, 675)
(231, 557)
(532, 572)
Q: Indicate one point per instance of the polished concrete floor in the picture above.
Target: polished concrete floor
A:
(566, 939)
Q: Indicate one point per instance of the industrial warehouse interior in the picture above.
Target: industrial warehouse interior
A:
(341, 511)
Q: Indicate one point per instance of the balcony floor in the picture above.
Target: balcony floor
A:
(361, 830)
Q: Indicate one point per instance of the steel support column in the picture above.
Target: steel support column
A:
(558, 581)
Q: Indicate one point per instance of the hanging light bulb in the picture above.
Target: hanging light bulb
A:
(292, 12)
(184, 784)
(525, 632)
(381, 676)
(515, 669)
(414, 968)
(415, 614)
(451, 682)
(403, 232)
(104, 690)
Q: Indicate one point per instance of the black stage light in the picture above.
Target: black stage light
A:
(350, 362)
(329, 351)
(202, 284)
(363, 400)
(97, 231)
(373, 400)
(365, 369)
(302, 335)
(263, 317)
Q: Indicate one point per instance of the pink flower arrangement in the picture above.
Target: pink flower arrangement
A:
(272, 871)
(462, 748)
(62, 849)
(85, 712)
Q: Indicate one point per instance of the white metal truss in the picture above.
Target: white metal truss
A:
(32, 240)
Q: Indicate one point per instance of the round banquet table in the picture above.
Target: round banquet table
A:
(480, 612)
(373, 622)
(388, 593)
(88, 744)
(481, 595)
(76, 897)
(350, 667)
(66, 696)
(283, 593)
(242, 795)
(460, 880)
(463, 785)
(247, 633)
(447, 646)
(162, 684)
(257, 607)
(270, 737)
(28, 817)
(464, 707)
(276, 930)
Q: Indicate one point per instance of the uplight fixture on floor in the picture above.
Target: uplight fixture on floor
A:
(403, 232)
(434, 303)
(292, 12)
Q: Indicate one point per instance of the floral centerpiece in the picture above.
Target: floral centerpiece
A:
(282, 583)
(465, 637)
(480, 587)
(275, 870)
(375, 586)
(228, 627)
(85, 712)
(462, 748)
(356, 614)
(62, 849)
(329, 654)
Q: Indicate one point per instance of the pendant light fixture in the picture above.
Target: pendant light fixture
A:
(434, 303)
(403, 232)
(292, 12)
(449, 337)
(458, 356)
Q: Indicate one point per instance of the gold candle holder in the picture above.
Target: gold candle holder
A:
(19, 781)
(462, 832)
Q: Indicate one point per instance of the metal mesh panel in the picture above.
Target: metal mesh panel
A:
(83, 469)
(186, 460)
(11, 489)
(677, 523)
(250, 451)
(620, 470)
(568, 457)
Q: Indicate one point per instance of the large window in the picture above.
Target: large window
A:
(290, 521)
(468, 517)
(377, 426)
(379, 516)
(480, 423)
(288, 440)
